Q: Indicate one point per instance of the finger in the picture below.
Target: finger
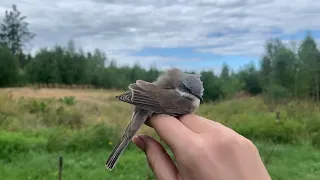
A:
(171, 131)
(197, 123)
(158, 159)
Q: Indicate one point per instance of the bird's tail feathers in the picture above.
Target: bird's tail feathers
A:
(116, 153)
(138, 118)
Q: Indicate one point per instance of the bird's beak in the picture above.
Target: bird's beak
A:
(201, 99)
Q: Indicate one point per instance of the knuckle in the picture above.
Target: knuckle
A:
(198, 144)
(226, 142)
(251, 145)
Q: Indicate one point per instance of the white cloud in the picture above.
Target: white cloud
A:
(121, 27)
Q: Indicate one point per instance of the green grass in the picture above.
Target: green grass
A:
(34, 132)
(287, 162)
(77, 165)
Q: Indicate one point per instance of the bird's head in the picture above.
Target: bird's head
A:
(192, 84)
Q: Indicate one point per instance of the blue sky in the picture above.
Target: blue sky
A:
(206, 59)
(189, 34)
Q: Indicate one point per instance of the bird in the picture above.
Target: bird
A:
(174, 93)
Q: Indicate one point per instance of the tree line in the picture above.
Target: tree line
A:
(285, 71)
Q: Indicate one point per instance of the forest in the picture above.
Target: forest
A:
(285, 71)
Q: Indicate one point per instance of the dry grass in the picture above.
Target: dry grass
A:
(93, 105)
(86, 95)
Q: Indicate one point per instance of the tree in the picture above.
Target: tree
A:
(283, 67)
(277, 69)
(44, 68)
(225, 72)
(230, 84)
(14, 30)
(266, 70)
(250, 76)
(8, 67)
(309, 67)
(211, 85)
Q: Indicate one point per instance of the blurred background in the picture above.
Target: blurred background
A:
(62, 63)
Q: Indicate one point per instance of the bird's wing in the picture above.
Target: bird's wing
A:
(147, 96)
(175, 103)
(142, 96)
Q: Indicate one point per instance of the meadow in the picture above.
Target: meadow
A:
(37, 125)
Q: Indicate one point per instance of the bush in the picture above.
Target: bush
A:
(68, 100)
(16, 143)
(67, 117)
(59, 139)
(95, 137)
(36, 106)
(312, 124)
(315, 139)
(266, 128)
(299, 121)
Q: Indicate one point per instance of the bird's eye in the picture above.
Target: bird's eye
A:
(188, 90)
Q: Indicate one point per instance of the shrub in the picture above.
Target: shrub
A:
(266, 128)
(97, 136)
(61, 116)
(36, 106)
(68, 100)
(16, 143)
(68, 117)
(59, 139)
(315, 139)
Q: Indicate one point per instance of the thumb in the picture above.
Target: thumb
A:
(158, 159)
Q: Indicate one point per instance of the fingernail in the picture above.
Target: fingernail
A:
(139, 142)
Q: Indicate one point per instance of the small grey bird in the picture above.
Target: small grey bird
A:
(174, 93)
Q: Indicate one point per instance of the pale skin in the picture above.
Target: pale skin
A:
(203, 150)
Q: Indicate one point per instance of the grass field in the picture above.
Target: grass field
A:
(36, 126)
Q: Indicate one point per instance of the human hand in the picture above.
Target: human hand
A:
(203, 149)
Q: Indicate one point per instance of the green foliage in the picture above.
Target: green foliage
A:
(36, 106)
(65, 117)
(287, 162)
(315, 139)
(68, 100)
(211, 85)
(251, 117)
(250, 77)
(287, 131)
(9, 73)
(14, 31)
(95, 137)
(48, 113)
(12, 143)
(276, 92)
